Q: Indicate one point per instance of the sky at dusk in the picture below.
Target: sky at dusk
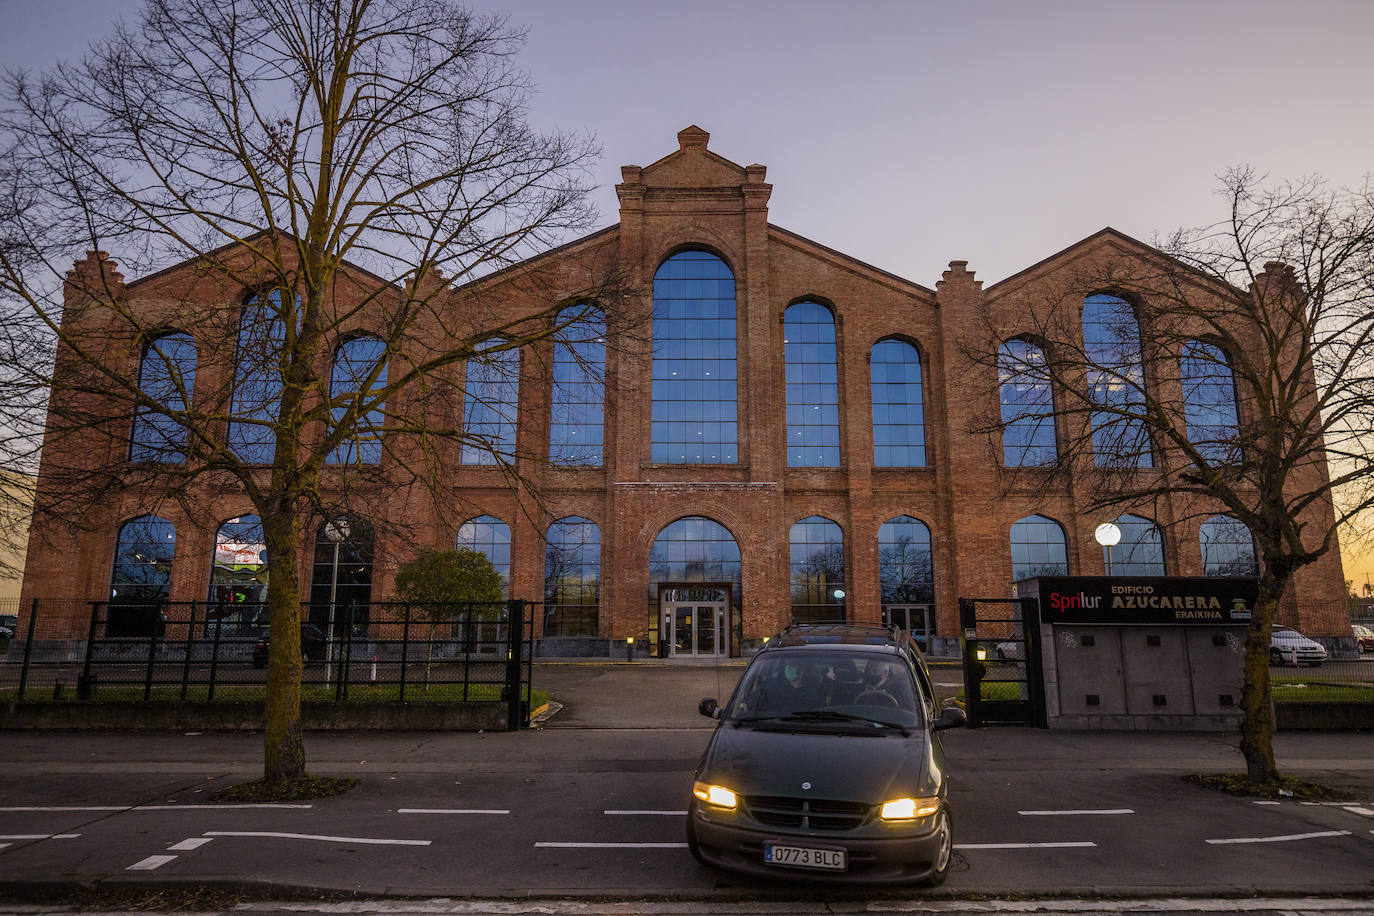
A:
(909, 134)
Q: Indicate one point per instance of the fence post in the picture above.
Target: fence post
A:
(152, 654)
(467, 650)
(190, 647)
(405, 649)
(90, 649)
(28, 650)
(341, 686)
(214, 663)
(515, 626)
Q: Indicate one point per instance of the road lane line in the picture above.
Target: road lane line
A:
(369, 841)
(453, 811)
(1281, 839)
(1355, 809)
(5, 845)
(68, 808)
(218, 807)
(39, 836)
(150, 863)
(611, 845)
(1078, 811)
(647, 812)
(194, 842)
(1023, 845)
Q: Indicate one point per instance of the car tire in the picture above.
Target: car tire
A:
(692, 845)
(944, 828)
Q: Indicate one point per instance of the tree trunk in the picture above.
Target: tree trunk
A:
(283, 743)
(1257, 723)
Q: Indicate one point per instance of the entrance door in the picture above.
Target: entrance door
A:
(696, 629)
(916, 619)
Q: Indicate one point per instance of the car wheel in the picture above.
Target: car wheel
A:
(944, 854)
(692, 845)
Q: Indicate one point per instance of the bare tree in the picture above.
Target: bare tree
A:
(326, 172)
(1228, 372)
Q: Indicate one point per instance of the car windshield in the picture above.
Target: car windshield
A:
(816, 688)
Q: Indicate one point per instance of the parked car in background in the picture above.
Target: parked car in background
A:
(9, 625)
(1365, 635)
(313, 646)
(1285, 642)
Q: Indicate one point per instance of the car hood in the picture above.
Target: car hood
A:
(861, 768)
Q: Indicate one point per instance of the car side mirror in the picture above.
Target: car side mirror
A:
(950, 717)
(709, 708)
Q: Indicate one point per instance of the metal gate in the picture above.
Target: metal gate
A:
(1004, 682)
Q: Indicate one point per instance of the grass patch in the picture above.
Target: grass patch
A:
(1287, 787)
(1295, 688)
(307, 787)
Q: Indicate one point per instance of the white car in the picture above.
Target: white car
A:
(1284, 642)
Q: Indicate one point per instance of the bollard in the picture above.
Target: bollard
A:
(374, 667)
(1295, 656)
(59, 690)
(629, 648)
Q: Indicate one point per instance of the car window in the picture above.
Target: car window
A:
(786, 683)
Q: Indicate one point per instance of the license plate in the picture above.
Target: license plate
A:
(804, 856)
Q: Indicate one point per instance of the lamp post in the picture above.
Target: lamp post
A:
(1108, 535)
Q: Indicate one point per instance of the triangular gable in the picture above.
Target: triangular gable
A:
(693, 165)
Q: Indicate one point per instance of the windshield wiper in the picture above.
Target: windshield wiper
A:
(822, 715)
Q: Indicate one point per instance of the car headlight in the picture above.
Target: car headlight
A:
(719, 796)
(905, 809)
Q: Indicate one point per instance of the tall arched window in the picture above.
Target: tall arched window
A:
(1228, 548)
(238, 576)
(577, 421)
(256, 403)
(906, 574)
(1027, 405)
(1116, 382)
(354, 362)
(691, 551)
(341, 579)
(899, 433)
(491, 538)
(493, 396)
(572, 577)
(817, 570)
(142, 577)
(166, 375)
(813, 388)
(1037, 548)
(1140, 551)
(1209, 401)
(695, 403)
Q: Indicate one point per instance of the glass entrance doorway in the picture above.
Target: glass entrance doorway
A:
(696, 621)
(917, 619)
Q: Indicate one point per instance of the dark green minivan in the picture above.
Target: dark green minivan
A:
(827, 763)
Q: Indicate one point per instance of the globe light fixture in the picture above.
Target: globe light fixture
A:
(1108, 534)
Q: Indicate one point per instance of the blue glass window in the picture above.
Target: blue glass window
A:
(1141, 550)
(1116, 382)
(576, 426)
(572, 577)
(1027, 406)
(491, 538)
(817, 570)
(256, 405)
(1209, 401)
(167, 375)
(695, 407)
(906, 573)
(1037, 548)
(238, 578)
(899, 433)
(493, 393)
(813, 388)
(1228, 548)
(143, 560)
(353, 363)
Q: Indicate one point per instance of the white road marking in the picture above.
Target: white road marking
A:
(611, 845)
(1266, 803)
(369, 841)
(1355, 809)
(1281, 839)
(1022, 845)
(194, 842)
(4, 845)
(149, 807)
(453, 811)
(69, 808)
(1326, 804)
(634, 812)
(150, 863)
(1079, 811)
(39, 836)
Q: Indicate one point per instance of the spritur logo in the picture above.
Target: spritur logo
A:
(1060, 602)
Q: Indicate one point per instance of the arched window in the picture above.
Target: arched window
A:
(166, 375)
(341, 580)
(493, 395)
(1037, 548)
(354, 362)
(572, 577)
(817, 570)
(1140, 551)
(1228, 548)
(695, 404)
(688, 551)
(238, 576)
(1116, 382)
(813, 388)
(1209, 401)
(1027, 406)
(577, 421)
(256, 403)
(491, 538)
(906, 574)
(142, 577)
(899, 434)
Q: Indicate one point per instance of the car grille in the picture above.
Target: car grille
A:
(806, 813)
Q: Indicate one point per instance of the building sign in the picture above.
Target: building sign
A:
(1162, 600)
(690, 595)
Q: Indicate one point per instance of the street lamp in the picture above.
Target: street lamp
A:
(1108, 535)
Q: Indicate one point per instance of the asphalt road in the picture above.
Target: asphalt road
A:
(590, 807)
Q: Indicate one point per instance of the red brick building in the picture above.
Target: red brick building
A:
(793, 440)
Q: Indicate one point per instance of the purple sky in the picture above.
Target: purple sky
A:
(908, 134)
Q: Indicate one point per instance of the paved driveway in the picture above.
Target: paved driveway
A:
(642, 694)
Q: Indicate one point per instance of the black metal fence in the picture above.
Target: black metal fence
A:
(191, 651)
